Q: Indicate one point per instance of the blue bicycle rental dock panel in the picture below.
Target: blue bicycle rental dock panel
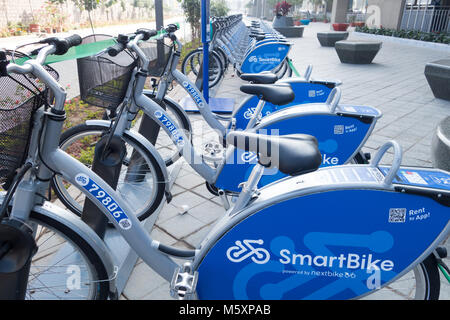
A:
(265, 57)
(305, 92)
(337, 244)
(339, 137)
(420, 177)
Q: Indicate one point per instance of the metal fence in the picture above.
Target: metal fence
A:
(426, 18)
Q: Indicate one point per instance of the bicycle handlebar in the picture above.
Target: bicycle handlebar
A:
(62, 45)
(122, 41)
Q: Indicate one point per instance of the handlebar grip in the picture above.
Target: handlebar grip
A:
(74, 40)
(116, 49)
(147, 33)
(63, 45)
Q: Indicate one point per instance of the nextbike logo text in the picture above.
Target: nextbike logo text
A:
(194, 93)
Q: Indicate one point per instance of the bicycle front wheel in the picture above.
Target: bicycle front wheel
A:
(141, 181)
(65, 266)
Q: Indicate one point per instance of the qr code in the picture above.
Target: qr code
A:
(397, 215)
(339, 129)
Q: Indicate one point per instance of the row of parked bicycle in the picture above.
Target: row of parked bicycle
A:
(255, 49)
(308, 216)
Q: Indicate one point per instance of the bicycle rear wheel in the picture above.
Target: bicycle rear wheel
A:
(421, 283)
(65, 266)
(192, 63)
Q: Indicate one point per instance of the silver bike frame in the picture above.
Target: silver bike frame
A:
(47, 158)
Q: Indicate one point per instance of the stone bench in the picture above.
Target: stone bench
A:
(438, 77)
(291, 32)
(357, 52)
(441, 145)
(328, 39)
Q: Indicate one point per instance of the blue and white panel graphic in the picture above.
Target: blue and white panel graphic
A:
(105, 199)
(334, 245)
(265, 58)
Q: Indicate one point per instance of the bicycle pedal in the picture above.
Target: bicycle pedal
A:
(184, 282)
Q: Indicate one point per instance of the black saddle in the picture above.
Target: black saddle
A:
(260, 78)
(257, 36)
(292, 154)
(277, 94)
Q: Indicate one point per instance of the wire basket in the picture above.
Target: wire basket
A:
(20, 97)
(104, 79)
(158, 52)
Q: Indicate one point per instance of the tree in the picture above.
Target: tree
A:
(192, 12)
(219, 8)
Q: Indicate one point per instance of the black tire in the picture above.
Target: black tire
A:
(194, 58)
(431, 272)
(360, 158)
(58, 184)
(99, 288)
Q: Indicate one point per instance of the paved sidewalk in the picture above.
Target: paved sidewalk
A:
(394, 83)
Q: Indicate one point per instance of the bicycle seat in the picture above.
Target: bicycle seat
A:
(258, 37)
(292, 154)
(277, 94)
(260, 78)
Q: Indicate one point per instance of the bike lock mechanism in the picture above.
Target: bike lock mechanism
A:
(17, 247)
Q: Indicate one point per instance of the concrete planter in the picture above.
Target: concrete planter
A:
(285, 26)
(438, 77)
(441, 145)
(35, 28)
(357, 52)
(282, 22)
(328, 39)
(340, 26)
(291, 32)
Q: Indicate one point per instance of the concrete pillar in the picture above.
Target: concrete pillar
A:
(339, 11)
(390, 12)
(159, 15)
(258, 8)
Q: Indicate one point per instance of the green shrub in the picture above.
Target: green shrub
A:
(441, 37)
